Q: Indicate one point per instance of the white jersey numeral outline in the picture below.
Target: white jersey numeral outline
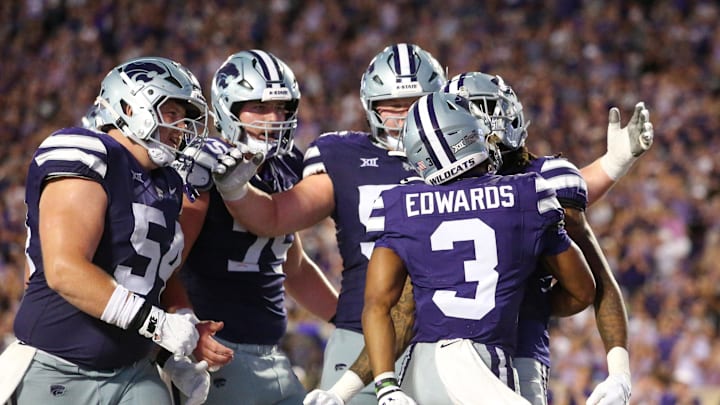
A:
(481, 269)
(159, 264)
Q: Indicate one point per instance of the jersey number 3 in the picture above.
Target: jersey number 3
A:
(480, 270)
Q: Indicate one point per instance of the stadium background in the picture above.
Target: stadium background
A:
(568, 60)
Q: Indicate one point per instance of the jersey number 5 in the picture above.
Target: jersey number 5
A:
(151, 258)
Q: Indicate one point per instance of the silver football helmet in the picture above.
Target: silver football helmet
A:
(90, 120)
(399, 71)
(498, 100)
(131, 96)
(255, 75)
(446, 135)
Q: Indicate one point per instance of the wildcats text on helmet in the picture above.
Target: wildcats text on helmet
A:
(451, 172)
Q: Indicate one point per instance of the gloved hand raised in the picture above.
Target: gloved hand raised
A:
(626, 144)
(234, 171)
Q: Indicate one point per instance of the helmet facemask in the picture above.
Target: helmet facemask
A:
(268, 137)
(494, 97)
(398, 72)
(255, 76)
(133, 95)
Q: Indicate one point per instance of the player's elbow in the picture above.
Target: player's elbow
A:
(585, 292)
(57, 276)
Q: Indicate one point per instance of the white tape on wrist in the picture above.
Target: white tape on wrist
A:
(347, 386)
(121, 307)
(615, 167)
(618, 360)
(232, 193)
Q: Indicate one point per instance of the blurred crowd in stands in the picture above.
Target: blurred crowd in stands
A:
(568, 60)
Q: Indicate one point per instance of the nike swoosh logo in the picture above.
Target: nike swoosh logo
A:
(449, 343)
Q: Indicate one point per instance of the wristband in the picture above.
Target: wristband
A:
(347, 386)
(385, 383)
(615, 167)
(122, 308)
(618, 361)
(140, 317)
(232, 193)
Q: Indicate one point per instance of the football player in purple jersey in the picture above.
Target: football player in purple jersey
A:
(343, 174)
(237, 276)
(625, 145)
(103, 238)
(468, 240)
(532, 360)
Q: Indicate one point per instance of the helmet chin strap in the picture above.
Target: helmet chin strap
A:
(159, 153)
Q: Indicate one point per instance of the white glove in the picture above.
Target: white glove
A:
(174, 332)
(192, 379)
(341, 392)
(388, 392)
(615, 390)
(197, 164)
(625, 145)
(234, 171)
(320, 397)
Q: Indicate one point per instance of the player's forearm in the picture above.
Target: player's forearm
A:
(379, 335)
(256, 212)
(86, 287)
(598, 181)
(315, 293)
(610, 312)
(403, 318)
(563, 303)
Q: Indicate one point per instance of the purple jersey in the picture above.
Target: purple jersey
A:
(533, 336)
(236, 276)
(359, 170)
(140, 246)
(469, 248)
